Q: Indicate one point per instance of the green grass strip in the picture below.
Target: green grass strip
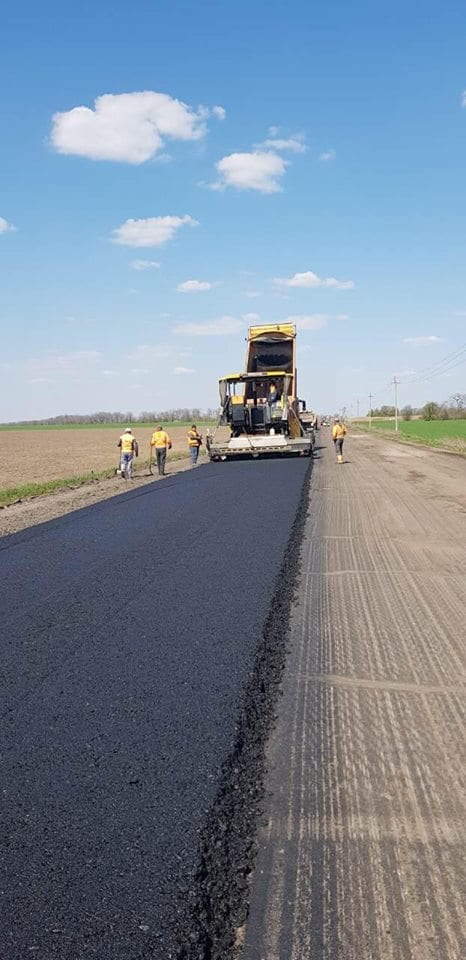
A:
(27, 491)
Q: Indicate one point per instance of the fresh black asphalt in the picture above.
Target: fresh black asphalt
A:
(129, 631)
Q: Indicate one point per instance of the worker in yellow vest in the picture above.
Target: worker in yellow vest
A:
(128, 450)
(339, 432)
(161, 442)
(194, 443)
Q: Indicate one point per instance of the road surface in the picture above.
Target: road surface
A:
(129, 631)
(363, 853)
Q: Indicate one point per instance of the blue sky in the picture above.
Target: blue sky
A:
(301, 160)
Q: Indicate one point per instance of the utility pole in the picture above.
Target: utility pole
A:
(395, 384)
(370, 410)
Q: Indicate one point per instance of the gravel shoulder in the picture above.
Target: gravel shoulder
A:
(362, 850)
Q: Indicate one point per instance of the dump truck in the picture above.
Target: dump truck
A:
(261, 405)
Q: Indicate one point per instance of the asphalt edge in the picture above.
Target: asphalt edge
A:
(217, 903)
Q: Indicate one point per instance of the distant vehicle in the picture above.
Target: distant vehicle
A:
(261, 406)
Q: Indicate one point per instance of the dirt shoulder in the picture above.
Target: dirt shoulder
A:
(28, 513)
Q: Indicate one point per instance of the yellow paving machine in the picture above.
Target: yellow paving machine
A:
(261, 406)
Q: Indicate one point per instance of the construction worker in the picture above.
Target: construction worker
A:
(129, 449)
(339, 432)
(194, 443)
(161, 442)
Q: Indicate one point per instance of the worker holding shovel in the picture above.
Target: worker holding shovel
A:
(161, 443)
(128, 450)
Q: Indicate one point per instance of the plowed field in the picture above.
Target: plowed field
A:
(33, 456)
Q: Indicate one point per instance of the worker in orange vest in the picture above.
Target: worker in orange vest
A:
(339, 432)
(129, 449)
(161, 443)
(194, 443)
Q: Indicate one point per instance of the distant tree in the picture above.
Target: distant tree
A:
(407, 412)
(459, 399)
(430, 411)
(444, 412)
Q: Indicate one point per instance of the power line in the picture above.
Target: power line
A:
(447, 363)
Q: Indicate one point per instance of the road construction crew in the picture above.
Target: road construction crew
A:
(194, 443)
(161, 442)
(339, 432)
(129, 449)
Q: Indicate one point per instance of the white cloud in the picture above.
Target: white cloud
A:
(459, 313)
(311, 280)
(422, 340)
(328, 155)
(6, 227)
(194, 286)
(152, 232)
(137, 371)
(251, 294)
(110, 373)
(463, 98)
(313, 321)
(257, 170)
(294, 144)
(251, 317)
(223, 326)
(146, 352)
(127, 127)
(219, 112)
(144, 265)
(273, 131)
(40, 380)
(183, 370)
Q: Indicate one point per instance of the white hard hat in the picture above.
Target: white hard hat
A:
(128, 430)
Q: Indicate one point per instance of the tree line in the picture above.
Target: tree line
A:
(118, 416)
(452, 409)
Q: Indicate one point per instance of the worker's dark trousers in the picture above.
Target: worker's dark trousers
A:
(161, 456)
(339, 446)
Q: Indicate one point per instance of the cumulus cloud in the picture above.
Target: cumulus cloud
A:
(128, 127)
(144, 265)
(258, 170)
(294, 144)
(222, 326)
(422, 340)
(312, 281)
(328, 155)
(152, 232)
(219, 112)
(313, 321)
(194, 286)
(183, 370)
(6, 227)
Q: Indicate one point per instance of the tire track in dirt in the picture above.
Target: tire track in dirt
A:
(363, 852)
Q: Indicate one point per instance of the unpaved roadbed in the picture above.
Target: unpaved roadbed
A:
(362, 855)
